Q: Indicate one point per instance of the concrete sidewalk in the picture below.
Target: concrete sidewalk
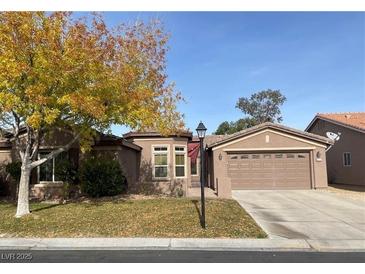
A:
(180, 244)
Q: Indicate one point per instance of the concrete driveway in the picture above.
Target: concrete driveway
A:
(305, 214)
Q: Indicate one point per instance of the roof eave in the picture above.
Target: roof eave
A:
(131, 145)
(311, 124)
(335, 122)
(320, 139)
(6, 146)
(131, 134)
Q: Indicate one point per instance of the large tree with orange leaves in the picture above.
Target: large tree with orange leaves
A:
(58, 71)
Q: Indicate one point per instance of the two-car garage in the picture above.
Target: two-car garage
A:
(268, 156)
(284, 170)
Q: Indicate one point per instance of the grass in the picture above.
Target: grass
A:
(160, 217)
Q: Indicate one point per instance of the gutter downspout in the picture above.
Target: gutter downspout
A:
(327, 149)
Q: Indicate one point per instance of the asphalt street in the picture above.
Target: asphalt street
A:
(177, 256)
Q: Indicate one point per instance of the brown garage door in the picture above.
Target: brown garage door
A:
(269, 170)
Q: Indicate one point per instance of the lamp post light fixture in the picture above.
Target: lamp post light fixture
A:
(201, 130)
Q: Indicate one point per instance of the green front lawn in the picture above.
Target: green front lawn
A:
(158, 217)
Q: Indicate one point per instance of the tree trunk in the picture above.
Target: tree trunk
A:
(23, 195)
(27, 166)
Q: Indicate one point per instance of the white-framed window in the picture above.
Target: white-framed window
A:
(49, 170)
(160, 160)
(180, 161)
(347, 161)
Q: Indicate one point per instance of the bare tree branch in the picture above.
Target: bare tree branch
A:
(36, 144)
(54, 153)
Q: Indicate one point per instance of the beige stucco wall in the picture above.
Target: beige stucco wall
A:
(258, 142)
(350, 141)
(220, 179)
(319, 172)
(5, 156)
(146, 165)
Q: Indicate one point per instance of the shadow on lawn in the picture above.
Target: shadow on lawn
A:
(45, 207)
(196, 204)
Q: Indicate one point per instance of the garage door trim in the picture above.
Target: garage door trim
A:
(232, 150)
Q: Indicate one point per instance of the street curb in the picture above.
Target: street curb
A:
(203, 244)
(85, 243)
(240, 244)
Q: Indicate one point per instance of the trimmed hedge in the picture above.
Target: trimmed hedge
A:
(102, 177)
(65, 171)
(3, 186)
(14, 169)
(9, 187)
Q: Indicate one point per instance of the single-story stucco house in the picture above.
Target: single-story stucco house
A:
(346, 158)
(267, 156)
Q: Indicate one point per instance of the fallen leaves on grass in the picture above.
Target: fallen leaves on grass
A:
(159, 217)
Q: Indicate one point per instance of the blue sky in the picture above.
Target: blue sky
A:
(316, 59)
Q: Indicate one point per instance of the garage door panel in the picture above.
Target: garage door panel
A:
(267, 165)
(293, 183)
(269, 170)
(279, 165)
(244, 166)
(251, 176)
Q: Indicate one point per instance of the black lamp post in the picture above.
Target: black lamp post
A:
(201, 129)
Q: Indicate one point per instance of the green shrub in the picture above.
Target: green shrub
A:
(14, 169)
(3, 187)
(65, 171)
(71, 191)
(179, 192)
(102, 177)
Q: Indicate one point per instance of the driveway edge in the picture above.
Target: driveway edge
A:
(344, 245)
(180, 244)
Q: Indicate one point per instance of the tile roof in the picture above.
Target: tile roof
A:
(210, 139)
(134, 134)
(5, 143)
(110, 139)
(352, 119)
(227, 138)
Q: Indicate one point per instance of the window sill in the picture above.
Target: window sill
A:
(49, 183)
(161, 179)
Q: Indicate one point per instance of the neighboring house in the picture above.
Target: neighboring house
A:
(268, 156)
(346, 158)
